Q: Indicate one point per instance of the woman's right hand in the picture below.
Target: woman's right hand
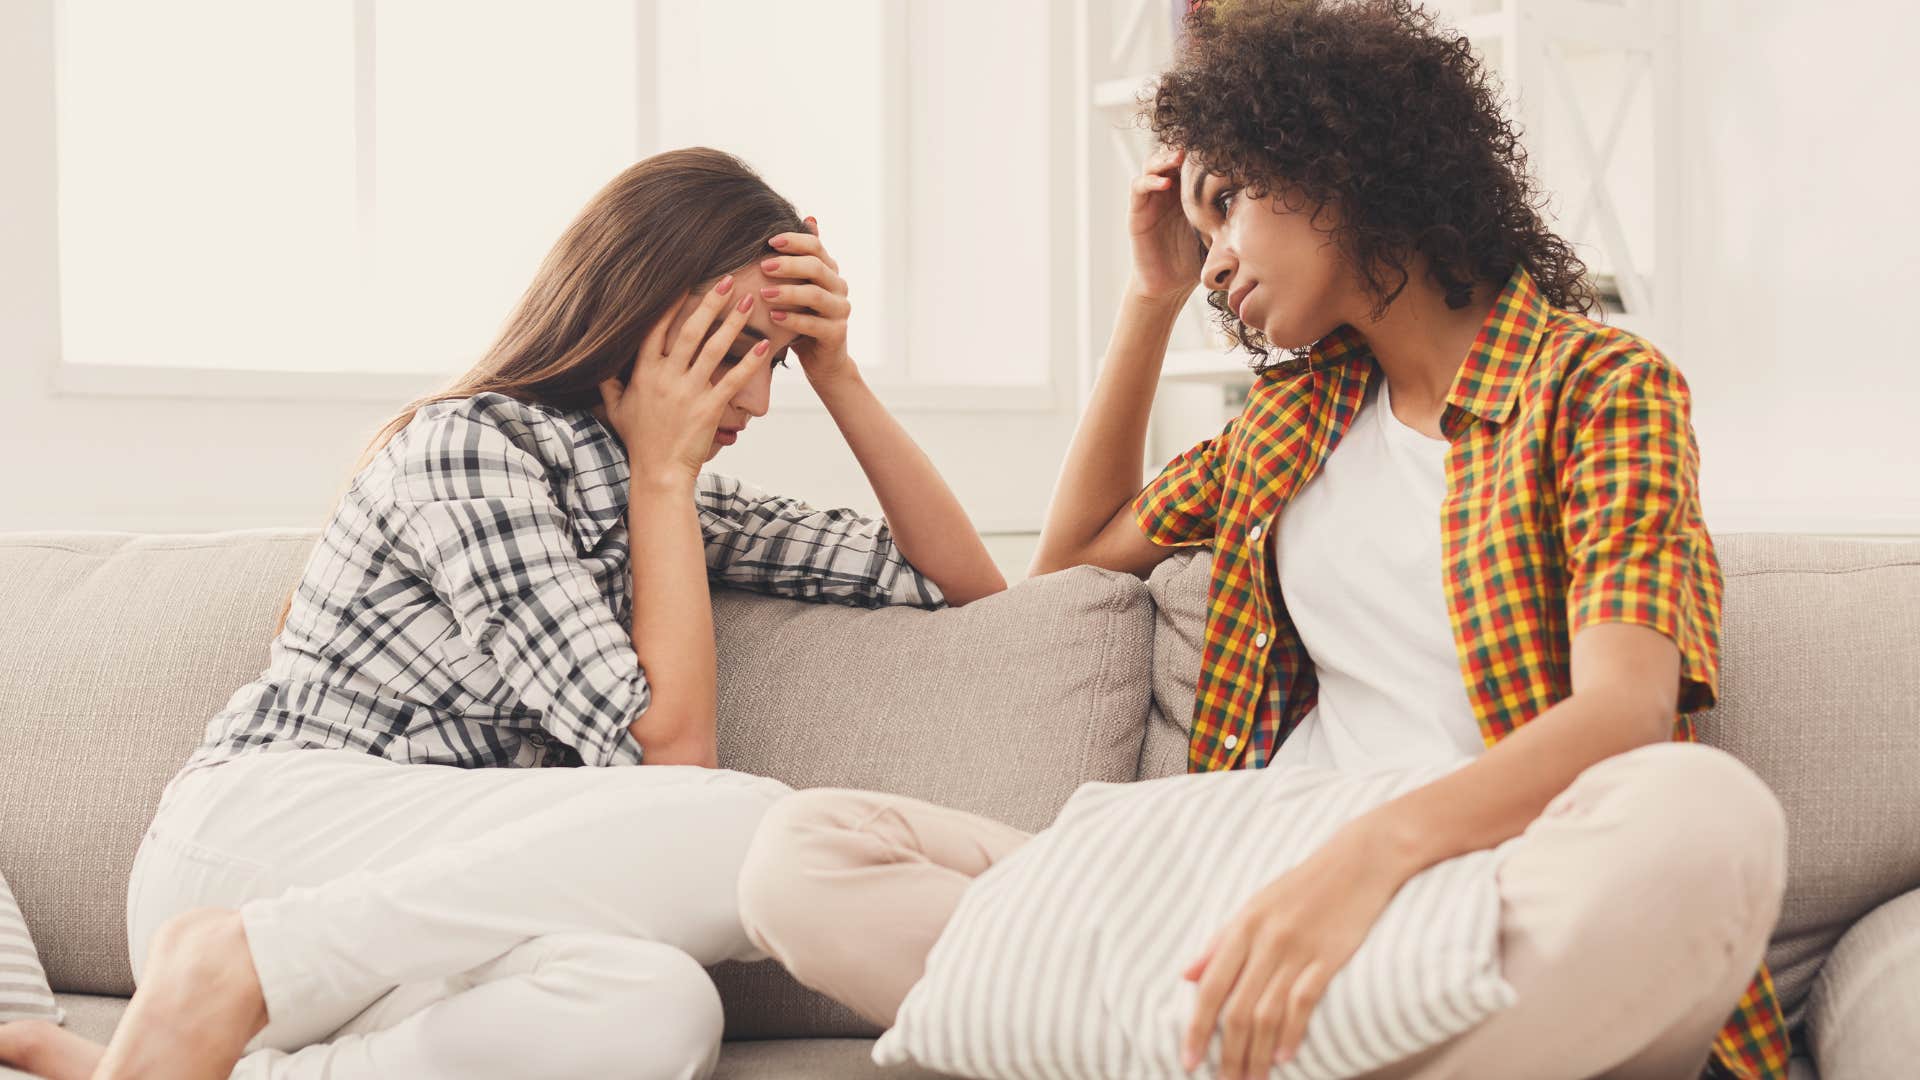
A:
(667, 410)
(1166, 254)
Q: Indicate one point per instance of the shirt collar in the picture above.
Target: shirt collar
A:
(1489, 380)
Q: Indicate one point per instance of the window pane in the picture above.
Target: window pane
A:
(798, 91)
(205, 181)
(982, 219)
(495, 123)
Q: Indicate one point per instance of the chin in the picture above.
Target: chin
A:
(1283, 335)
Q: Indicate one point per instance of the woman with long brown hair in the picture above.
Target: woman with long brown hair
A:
(372, 867)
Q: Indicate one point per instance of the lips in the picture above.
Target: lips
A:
(727, 435)
(1239, 297)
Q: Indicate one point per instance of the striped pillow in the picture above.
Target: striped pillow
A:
(23, 983)
(1064, 960)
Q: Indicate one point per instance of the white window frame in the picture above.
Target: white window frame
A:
(1058, 395)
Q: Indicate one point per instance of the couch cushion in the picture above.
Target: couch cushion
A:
(1820, 694)
(1000, 708)
(783, 1059)
(1178, 587)
(810, 1059)
(119, 648)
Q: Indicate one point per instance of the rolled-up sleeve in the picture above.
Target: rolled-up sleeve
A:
(1179, 507)
(479, 513)
(783, 547)
(1637, 549)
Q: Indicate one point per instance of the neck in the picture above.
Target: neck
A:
(1421, 344)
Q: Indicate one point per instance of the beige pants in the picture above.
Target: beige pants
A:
(1635, 911)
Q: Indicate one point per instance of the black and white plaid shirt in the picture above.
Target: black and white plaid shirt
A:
(470, 601)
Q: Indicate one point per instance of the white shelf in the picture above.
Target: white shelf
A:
(1206, 366)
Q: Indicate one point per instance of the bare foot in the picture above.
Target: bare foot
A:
(48, 1050)
(197, 1006)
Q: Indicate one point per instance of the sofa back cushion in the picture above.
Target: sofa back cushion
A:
(121, 647)
(1002, 708)
(1178, 587)
(1819, 694)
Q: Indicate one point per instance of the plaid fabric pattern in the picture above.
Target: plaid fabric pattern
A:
(470, 601)
(1571, 500)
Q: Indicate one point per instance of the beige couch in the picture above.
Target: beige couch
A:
(117, 648)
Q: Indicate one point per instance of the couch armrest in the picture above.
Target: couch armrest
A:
(1863, 1015)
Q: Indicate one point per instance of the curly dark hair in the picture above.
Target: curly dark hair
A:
(1373, 108)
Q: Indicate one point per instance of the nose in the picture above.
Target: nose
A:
(755, 397)
(1217, 271)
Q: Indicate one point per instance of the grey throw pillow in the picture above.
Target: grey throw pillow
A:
(24, 994)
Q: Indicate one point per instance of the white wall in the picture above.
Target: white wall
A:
(1801, 232)
(88, 461)
(1803, 262)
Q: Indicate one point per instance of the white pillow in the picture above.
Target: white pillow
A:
(23, 982)
(1064, 960)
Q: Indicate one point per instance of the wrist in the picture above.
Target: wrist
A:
(1387, 845)
(656, 480)
(837, 378)
(1166, 301)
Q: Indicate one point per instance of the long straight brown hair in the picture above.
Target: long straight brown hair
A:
(655, 233)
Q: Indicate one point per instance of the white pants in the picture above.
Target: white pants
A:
(425, 921)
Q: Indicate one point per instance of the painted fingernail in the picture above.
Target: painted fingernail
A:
(745, 304)
(725, 286)
(770, 264)
(761, 349)
(777, 316)
(778, 241)
(769, 292)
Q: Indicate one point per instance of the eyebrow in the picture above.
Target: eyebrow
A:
(1199, 184)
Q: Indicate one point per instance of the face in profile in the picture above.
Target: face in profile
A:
(754, 397)
(1275, 260)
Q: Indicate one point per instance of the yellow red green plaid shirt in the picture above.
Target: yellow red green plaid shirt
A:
(1571, 500)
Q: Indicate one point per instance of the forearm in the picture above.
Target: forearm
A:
(1495, 797)
(1106, 459)
(928, 524)
(672, 624)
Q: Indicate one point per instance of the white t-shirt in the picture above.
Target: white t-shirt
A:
(1358, 554)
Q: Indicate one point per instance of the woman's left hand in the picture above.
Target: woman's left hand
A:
(1266, 969)
(809, 296)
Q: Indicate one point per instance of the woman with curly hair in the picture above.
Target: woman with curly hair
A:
(1457, 522)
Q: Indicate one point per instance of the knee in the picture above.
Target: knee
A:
(1716, 830)
(796, 845)
(639, 1008)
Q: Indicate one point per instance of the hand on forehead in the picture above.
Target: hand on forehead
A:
(747, 281)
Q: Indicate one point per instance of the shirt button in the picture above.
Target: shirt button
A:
(1254, 533)
(1231, 741)
(1260, 639)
